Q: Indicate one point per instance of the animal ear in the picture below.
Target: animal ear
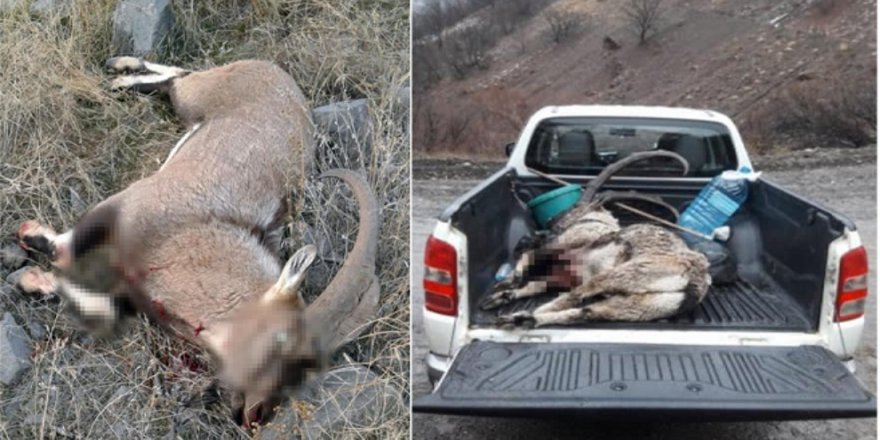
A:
(292, 276)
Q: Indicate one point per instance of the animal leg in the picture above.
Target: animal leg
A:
(501, 297)
(33, 236)
(138, 65)
(142, 83)
(553, 312)
(562, 302)
(529, 319)
(37, 281)
(635, 308)
(148, 76)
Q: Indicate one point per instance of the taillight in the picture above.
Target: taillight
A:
(441, 277)
(852, 285)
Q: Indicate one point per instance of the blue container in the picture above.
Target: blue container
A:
(552, 203)
(717, 202)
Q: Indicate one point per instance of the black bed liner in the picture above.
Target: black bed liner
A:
(740, 305)
(632, 381)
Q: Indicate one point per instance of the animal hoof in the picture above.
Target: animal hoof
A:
(122, 83)
(497, 299)
(35, 281)
(33, 236)
(517, 320)
(124, 64)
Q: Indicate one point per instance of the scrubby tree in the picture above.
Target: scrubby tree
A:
(644, 17)
(562, 24)
(469, 49)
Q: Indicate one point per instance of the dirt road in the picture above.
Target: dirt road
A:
(850, 190)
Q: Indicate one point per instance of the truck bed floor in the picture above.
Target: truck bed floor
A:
(732, 306)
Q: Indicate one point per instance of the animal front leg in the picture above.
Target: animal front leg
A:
(530, 319)
(37, 281)
(505, 296)
(33, 236)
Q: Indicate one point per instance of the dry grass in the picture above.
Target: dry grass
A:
(64, 138)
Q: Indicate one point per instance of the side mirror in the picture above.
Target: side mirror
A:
(508, 149)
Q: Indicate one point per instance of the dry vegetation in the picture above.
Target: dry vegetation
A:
(65, 138)
(841, 112)
(792, 74)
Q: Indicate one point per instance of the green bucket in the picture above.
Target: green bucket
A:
(552, 203)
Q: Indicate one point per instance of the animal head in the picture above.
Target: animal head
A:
(265, 345)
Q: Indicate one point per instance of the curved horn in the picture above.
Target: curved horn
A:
(594, 185)
(351, 299)
(606, 197)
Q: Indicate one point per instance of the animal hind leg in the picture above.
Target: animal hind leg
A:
(126, 64)
(148, 76)
(635, 308)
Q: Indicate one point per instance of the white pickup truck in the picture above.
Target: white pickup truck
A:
(776, 343)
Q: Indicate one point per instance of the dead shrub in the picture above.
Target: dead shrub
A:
(562, 24)
(643, 17)
(841, 112)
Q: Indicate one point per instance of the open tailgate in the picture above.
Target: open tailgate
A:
(648, 381)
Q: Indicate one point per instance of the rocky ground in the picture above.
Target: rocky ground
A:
(68, 143)
(847, 185)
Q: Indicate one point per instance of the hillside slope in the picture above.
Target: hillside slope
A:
(763, 62)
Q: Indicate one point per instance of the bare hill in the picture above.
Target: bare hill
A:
(792, 73)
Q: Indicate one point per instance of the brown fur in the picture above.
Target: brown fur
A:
(200, 236)
(638, 273)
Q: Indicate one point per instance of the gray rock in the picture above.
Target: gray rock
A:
(345, 398)
(6, 291)
(141, 26)
(347, 133)
(15, 350)
(36, 329)
(51, 7)
(14, 277)
(12, 256)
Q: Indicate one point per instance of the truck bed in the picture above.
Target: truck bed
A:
(779, 240)
(740, 306)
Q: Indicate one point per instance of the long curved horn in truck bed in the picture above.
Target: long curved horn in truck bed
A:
(609, 171)
(351, 299)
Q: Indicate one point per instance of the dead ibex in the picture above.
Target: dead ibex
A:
(581, 242)
(195, 245)
(637, 270)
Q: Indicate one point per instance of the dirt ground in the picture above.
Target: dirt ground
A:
(849, 189)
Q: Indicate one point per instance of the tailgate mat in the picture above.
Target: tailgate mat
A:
(620, 380)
